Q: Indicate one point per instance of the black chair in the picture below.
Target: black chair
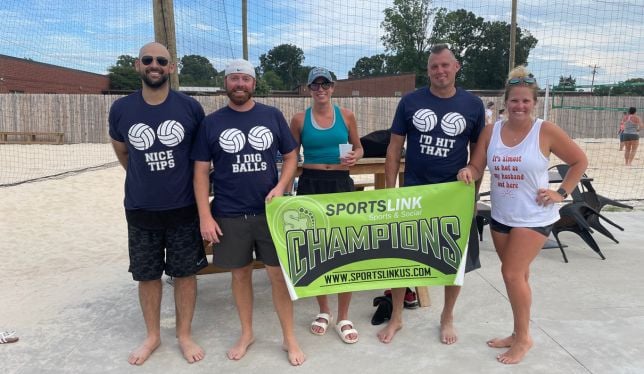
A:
(483, 217)
(597, 201)
(588, 194)
(574, 218)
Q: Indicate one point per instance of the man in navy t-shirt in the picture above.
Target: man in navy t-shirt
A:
(152, 131)
(440, 123)
(242, 140)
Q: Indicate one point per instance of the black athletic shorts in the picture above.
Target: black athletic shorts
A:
(472, 260)
(504, 229)
(630, 137)
(314, 181)
(241, 236)
(168, 240)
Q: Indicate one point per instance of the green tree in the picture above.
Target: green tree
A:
(566, 84)
(373, 66)
(285, 61)
(406, 26)
(272, 81)
(123, 76)
(195, 70)
(630, 87)
(482, 47)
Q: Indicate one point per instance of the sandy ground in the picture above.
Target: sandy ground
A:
(27, 162)
(80, 216)
(66, 290)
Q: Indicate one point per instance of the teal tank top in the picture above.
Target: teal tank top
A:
(321, 144)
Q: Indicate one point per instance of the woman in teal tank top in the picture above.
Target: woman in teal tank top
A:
(321, 130)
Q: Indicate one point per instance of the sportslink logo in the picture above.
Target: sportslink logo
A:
(374, 206)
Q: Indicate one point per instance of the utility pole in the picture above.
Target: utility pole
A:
(245, 29)
(164, 33)
(513, 35)
(592, 82)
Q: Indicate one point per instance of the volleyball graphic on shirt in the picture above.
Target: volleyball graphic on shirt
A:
(170, 133)
(141, 136)
(424, 120)
(232, 140)
(260, 138)
(453, 123)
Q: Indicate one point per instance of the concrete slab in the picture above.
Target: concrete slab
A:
(587, 317)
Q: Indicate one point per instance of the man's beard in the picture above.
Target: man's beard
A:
(154, 84)
(239, 100)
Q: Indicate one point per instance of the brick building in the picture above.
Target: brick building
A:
(18, 75)
(383, 86)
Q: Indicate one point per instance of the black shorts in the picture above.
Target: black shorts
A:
(505, 229)
(314, 181)
(241, 236)
(168, 240)
(630, 137)
(472, 260)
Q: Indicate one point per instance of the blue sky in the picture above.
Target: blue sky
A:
(89, 35)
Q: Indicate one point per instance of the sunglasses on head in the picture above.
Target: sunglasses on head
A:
(147, 60)
(317, 86)
(519, 80)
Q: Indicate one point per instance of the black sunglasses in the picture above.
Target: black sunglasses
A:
(147, 60)
(316, 86)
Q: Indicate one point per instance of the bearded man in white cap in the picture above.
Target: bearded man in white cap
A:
(242, 140)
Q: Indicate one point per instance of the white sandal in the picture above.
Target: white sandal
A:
(8, 337)
(345, 333)
(324, 325)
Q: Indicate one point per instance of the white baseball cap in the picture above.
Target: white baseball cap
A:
(240, 66)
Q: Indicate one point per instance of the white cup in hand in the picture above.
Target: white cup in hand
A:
(345, 149)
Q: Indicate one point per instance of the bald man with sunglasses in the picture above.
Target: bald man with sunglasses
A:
(152, 131)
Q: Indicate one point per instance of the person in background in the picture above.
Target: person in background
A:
(321, 129)
(489, 113)
(631, 135)
(620, 132)
(242, 140)
(152, 132)
(523, 212)
(502, 116)
(436, 149)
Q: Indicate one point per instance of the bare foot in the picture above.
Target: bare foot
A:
(295, 355)
(240, 348)
(515, 354)
(386, 335)
(448, 332)
(501, 342)
(192, 352)
(142, 352)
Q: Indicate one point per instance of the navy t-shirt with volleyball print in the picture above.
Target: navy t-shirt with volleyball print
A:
(159, 140)
(438, 133)
(243, 148)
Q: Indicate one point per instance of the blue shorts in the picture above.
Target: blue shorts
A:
(168, 240)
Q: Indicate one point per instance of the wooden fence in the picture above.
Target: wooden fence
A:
(83, 118)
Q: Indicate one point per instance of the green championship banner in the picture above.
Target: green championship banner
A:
(355, 241)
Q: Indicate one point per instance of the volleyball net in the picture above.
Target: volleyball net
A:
(579, 47)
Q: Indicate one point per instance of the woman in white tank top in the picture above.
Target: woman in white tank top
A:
(517, 153)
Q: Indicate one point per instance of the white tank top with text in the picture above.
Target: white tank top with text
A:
(516, 175)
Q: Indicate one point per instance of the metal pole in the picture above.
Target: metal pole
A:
(164, 33)
(592, 82)
(513, 34)
(545, 101)
(245, 29)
